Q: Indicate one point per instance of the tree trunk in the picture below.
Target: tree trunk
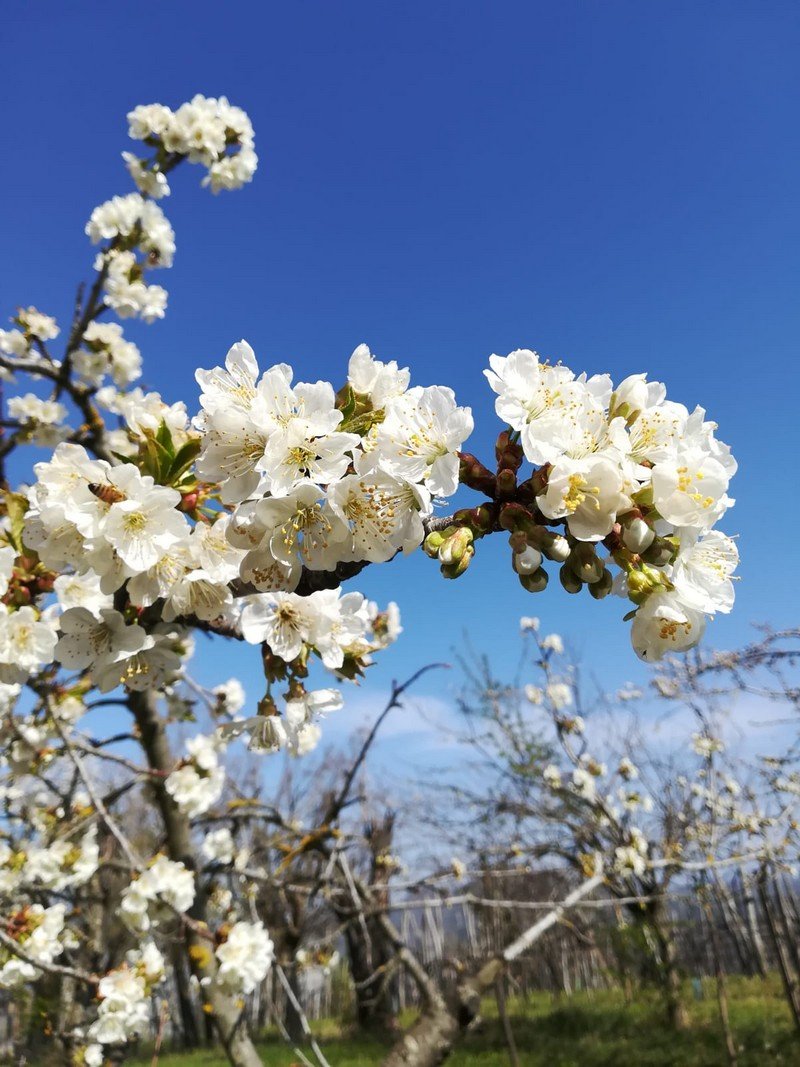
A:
(430, 1040)
(751, 914)
(190, 1036)
(292, 1020)
(368, 948)
(668, 971)
(719, 977)
(229, 1022)
(777, 937)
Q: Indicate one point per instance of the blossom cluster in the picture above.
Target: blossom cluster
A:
(105, 529)
(198, 782)
(165, 887)
(33, 328)
(317, 478)
(244, 958)
(628, 469)
(124, 1009)
(41, 936)
(56, 865)
(205, 130)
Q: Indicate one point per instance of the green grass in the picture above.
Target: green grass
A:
(584, 1030)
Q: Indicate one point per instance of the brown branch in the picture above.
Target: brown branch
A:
(336, 805)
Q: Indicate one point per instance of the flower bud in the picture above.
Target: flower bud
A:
(455, 570)
(506, 483)
(584, 562)
(509, 453)
(518, 541)
(473, 474)
(434, 541)
(479, 520)
(454, 546)
(660, 552)
(536, 582)
(636, 534)
(558, 549)
(642, 582)
(189, 501)
(527, 562)
(569, 580)
(552, 546)
(630, 397)
(515, 517)
(603, 587)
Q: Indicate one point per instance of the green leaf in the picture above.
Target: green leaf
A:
(156, 460)
(164, 438)
(184, 458)
(346, 402)
(16, 507)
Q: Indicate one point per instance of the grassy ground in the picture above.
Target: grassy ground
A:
(584, 1030)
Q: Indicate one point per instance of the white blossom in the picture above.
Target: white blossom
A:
(244, 958)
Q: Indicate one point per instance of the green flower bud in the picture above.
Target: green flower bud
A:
(455, 570)
(569, 579)
(643, 581)
(602, 588)
(551, 545)
(454, 546)
(536, 582)
(434, 541)
(639, 586)
(584, 562)
(661, 552)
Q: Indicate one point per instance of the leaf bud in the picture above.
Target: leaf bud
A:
(509, 453)
(473, 474)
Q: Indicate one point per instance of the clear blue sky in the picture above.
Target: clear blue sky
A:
(613, 184)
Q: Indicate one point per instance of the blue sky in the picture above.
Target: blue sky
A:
(612, 184)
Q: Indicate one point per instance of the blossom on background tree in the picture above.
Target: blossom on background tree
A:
(146, 525)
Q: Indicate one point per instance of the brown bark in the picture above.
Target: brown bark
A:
(229, 1021)
(669, 974)
(751, 915)
(190, 1035)
(778, 938)
(368, 947)
(502, 1012)
(430, 1040)
(721, 984)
